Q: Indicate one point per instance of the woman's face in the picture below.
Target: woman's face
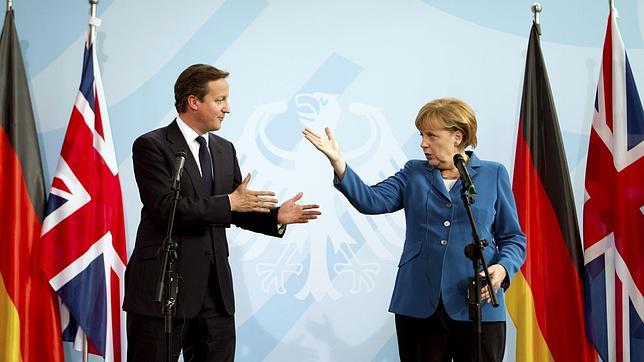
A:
(439, 145)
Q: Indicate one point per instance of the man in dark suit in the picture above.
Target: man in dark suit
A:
(213, 196)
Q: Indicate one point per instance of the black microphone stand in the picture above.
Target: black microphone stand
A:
(474, 251)
(167, 286)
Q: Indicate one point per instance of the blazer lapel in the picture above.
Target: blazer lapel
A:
(178, 143)
(472, 166)
(437, 183)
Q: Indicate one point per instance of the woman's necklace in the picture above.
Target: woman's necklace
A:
(449, 174)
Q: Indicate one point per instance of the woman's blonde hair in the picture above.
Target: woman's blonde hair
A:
(450, 114)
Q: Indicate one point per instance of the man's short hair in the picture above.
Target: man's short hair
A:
(193, 81)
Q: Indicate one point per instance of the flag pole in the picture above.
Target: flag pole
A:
(90, 40)
(92, 21)
(536, 10)
(85, 347)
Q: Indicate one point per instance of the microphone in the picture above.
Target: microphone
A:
(179, 161)
(468, 185)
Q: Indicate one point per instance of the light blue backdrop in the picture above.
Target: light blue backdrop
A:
(363, 67)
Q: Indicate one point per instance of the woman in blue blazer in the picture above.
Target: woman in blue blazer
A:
(429, 298)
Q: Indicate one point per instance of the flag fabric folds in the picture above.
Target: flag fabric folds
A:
(545, 299)
(29, 321)
(83, 233)
(613, 209)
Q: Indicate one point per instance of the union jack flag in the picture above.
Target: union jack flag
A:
(613, 209)
(83, 233)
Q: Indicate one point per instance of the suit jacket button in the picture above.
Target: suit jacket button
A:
(449, 204)
(443, 242)
(446, 223)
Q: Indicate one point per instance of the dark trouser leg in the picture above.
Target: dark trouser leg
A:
(210, 339)
(421, 339)
(211, 335)
(146, 338)
(463, 341)
(440, 338)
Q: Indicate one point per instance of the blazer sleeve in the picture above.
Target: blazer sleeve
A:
(383, 197)
(510, 239)
(152, 170)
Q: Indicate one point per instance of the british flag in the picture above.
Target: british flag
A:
(613, 209)
(83, 233)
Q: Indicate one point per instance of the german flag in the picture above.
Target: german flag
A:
(29, 320)
(546, 298)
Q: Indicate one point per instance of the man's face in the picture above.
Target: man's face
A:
(210, 111)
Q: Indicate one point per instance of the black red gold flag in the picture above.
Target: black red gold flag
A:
(546, 297)
(29, 319)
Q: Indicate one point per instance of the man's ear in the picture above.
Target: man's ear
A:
(193, 103)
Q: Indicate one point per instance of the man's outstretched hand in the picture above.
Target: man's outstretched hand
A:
(245, 200)
(292, 213)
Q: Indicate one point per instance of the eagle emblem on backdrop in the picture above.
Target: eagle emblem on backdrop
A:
(340, 252)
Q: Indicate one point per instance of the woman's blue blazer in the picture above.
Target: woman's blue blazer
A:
(433, 264)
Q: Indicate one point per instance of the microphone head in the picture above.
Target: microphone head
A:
(458, 158)
(181, 153)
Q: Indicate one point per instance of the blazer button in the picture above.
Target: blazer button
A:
(446, 223)
(443, 242)
(449, 204)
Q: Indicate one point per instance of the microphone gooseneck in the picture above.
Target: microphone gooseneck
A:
(466, 180)
(179, 162)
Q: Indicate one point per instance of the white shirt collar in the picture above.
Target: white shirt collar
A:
(189, 134)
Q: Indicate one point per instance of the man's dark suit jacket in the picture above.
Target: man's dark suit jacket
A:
(200, 222)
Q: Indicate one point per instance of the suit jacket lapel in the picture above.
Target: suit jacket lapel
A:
(178, 143)
(217, 161)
